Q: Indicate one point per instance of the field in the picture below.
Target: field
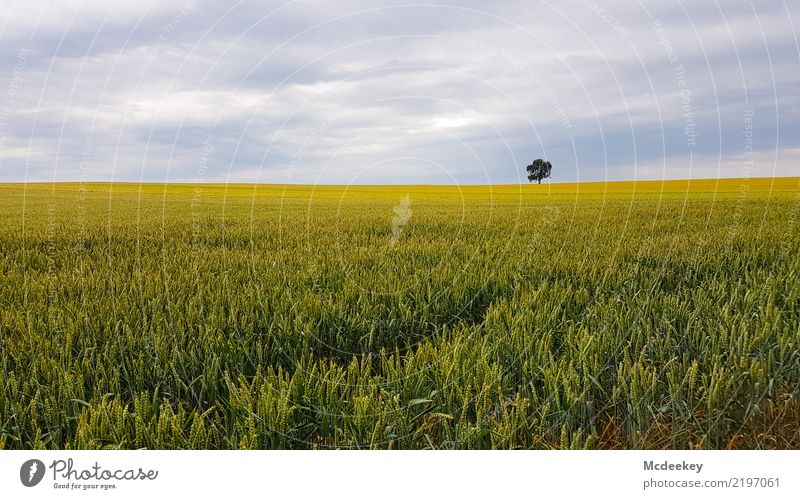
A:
(609, 315)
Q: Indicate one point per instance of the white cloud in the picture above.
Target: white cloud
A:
(324, 89)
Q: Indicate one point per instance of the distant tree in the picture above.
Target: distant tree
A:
(539, 170)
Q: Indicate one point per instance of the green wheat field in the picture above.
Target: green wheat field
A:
(646, 315)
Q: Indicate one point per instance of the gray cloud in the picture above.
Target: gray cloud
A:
(342, 92)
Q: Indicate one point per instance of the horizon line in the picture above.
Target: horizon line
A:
(183, 182)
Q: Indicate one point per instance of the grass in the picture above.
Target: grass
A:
(600, 315)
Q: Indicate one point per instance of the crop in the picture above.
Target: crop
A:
(611, 315)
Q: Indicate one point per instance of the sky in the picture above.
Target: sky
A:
(357, 92)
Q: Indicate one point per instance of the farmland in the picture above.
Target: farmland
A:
(598, 315)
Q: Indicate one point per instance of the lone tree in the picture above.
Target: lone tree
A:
(538, 170)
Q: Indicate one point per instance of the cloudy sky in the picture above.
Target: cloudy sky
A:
(344, 92)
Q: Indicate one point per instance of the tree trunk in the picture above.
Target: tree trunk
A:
(540, 181)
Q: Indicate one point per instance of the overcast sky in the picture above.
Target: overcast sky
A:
(384, 92)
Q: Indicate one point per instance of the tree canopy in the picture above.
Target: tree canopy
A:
(539, 170)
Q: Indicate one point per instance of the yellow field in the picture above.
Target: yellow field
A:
(510, 191)
(591, 315)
